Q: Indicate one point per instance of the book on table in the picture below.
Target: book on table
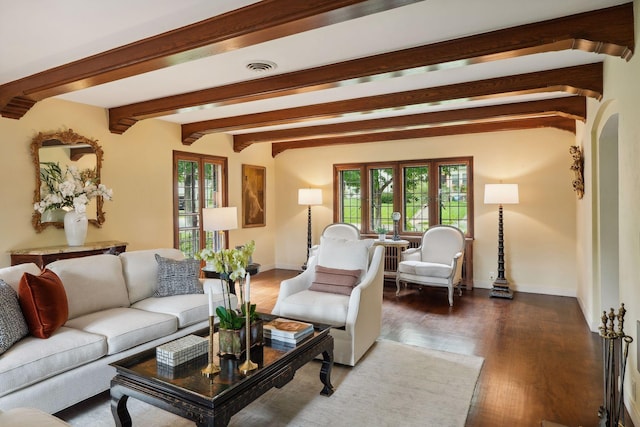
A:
(287, 331)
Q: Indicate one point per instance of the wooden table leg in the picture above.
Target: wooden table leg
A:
(325, 370)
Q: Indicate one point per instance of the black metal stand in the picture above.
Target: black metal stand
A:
(500, 285)
(304, 266)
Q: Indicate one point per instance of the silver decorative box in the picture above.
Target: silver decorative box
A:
(182, 350)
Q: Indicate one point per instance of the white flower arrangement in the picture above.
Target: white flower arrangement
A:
(70, 190)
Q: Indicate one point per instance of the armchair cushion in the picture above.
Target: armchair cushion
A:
(344, 253)
(420, 268)
(319, 307)
(335, 280)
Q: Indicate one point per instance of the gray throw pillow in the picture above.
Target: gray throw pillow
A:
(13, 326)
(177, 277)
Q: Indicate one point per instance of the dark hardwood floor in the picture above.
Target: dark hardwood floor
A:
(541, 360)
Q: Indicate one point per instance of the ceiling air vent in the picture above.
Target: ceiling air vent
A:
(261, 66)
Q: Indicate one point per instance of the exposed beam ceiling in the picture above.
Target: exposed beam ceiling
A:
(451, 69)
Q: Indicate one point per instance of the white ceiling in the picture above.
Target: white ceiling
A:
(40, 34)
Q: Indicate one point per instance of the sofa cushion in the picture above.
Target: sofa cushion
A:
(13, 326)
(177, 277)
(189, 309)
(335, 280)
(44, 303)
(140, 270)
(421, 268)
(92, 283)
(344, 254)
(13, 274)
(31, 359)
(320, 307)
(125, 328)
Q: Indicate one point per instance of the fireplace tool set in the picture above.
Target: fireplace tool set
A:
(615, 349)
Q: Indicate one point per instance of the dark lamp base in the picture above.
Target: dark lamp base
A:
(501, 291)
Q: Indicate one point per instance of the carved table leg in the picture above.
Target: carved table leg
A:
(119, 409)
(325, 372)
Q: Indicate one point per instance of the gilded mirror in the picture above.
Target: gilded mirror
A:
(65, 148)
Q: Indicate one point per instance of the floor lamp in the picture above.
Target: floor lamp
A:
(501, 194)
(218, 220)
(309, 197)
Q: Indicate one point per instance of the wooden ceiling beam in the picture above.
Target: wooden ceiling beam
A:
(581, 31)
(562, 123)
(256, 23)
(585, 80)
(574, 107)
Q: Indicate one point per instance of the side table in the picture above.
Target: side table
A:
(252, 269)
(393, 249)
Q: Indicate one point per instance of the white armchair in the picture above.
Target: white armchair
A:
(356, 319)
(338, 230)
(437, 262)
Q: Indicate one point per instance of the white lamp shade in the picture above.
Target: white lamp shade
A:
(501, 194)
(217, 219)
(310, 196)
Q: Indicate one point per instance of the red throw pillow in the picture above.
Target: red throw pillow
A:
(43, 302)
(335, 280)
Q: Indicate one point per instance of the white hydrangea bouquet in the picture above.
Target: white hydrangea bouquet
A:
(71, 189)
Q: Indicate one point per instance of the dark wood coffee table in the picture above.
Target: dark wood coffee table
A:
(211, 402)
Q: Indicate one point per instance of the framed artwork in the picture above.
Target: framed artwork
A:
(254, 179)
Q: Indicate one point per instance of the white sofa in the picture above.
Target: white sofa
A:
(356, 319)
(112, 314)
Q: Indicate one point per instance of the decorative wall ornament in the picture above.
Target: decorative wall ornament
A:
(577, 167)
(254, 188)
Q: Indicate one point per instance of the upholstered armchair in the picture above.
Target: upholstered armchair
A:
(437, 262)
(341, 287)
(338, 230)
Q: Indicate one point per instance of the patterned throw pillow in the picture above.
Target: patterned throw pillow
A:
(178, 277)
(13, 327)
(44, 302)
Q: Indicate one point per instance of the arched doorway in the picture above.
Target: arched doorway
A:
(608, 226)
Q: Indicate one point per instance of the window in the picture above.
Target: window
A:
(199, 182)
(425, 192)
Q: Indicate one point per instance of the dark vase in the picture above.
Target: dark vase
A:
(233, 342)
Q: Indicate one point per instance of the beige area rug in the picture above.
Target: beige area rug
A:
(393, 385)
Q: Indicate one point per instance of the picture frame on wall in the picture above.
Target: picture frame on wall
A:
(254, 188)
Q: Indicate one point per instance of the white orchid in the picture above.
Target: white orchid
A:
(71, 189)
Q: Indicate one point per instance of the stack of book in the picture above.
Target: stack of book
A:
(286, 333)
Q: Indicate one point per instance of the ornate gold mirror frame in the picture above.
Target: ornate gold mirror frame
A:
(65, 139)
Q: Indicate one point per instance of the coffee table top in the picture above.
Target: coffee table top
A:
(187, 379)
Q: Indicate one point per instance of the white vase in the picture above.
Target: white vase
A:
(382, 237)
(75, 228)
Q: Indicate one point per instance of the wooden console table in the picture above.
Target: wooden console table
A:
(46, 255)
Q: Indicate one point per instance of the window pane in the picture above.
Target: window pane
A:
(381, 198)
(453, 195)
(350, 191)
(188, 207)
(415, 215)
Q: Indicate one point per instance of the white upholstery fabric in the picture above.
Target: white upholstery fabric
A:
(29, 361)
(29, 417)
(345, 254)
(126, 327)
(340, 230)
(189, 309)
(437, 262)
(319, 307)
(140, 270)
(92, 283)
(12, 275)
(420, 268)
